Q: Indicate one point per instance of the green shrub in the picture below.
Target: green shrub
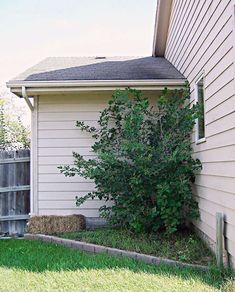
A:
(144, 163)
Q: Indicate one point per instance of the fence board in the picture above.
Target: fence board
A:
(12, 218)
(14, 190)
(14, 160)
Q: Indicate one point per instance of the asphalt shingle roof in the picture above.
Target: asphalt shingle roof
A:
(93, 68)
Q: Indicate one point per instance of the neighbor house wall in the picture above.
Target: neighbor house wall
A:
(201, 39)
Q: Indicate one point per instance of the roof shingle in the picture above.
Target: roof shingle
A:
(92, 68)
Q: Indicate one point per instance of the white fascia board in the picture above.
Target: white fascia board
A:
(162, 20)
(40, 87)
(93, 83)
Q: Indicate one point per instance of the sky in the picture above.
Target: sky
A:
(31, 30)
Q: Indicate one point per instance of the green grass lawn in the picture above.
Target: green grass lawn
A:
(37, 266)
(184, 246)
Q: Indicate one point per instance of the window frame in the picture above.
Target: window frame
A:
(197, 139)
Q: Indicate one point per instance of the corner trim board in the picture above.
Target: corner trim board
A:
(34, 160)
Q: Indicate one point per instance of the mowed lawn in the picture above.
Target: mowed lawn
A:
(37, 266)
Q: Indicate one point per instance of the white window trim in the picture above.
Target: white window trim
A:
(197, 140)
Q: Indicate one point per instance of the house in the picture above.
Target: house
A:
(198, 38)
(193, 40)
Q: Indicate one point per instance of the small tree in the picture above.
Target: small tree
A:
(13, 134)
(144, 163)
(3, 128)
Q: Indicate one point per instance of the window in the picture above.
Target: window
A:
(200, 123)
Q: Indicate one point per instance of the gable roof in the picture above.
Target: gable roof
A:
(161, 27)
(94, 68)
(73, 74)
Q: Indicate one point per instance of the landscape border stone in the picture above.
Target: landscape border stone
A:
(94, 248)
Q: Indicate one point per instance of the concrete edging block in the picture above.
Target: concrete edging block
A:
(89, 247)
(145, 258)
(101, 249)
(76, 245)
(129, 254)
(29, 236)
(94, 248)
(114, 251)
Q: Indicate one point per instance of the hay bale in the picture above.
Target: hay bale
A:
(55, 224)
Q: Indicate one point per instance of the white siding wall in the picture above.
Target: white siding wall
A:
(201, 38)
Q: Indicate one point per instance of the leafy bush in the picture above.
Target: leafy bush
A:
(144, 163)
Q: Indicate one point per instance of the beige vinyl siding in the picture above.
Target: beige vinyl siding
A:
(201, 40)
(58, 137)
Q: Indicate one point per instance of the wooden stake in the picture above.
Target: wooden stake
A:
(219, 239)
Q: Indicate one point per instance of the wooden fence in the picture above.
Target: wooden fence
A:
(14, 191)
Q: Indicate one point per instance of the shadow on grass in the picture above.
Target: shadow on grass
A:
(35, 256)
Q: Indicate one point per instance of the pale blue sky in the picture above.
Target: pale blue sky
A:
(31, 30)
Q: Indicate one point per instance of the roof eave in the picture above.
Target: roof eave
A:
(43, 87)
(161, 27)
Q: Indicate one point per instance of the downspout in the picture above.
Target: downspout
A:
(26, 98)
(31, 107)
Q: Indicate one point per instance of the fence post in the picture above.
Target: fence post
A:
(219, 239)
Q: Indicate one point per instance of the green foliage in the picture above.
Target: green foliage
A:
(3, 130)
(144, 163)
(13, 134)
